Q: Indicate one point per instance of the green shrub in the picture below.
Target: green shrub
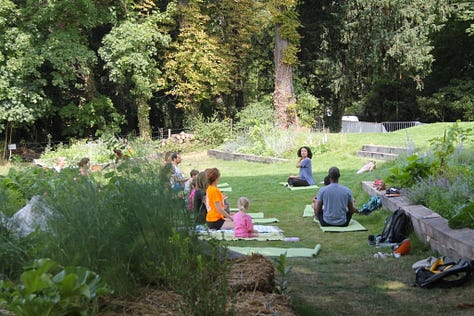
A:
(198, 272)
(16, 250)
(446, 197)
(444, 147)
(408, 170)
(464, 218)
(256, 114)
(49, 289)
(308, 108)
(213, 131)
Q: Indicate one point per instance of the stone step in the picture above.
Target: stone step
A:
(376, 155)
(429, 226)
(384, 149)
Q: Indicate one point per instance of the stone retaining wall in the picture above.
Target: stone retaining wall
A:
(252, 158)
(430, 227)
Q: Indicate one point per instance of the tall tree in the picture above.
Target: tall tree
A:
(287, 38)
(372, 39)
(129, 52)
(198, 67)
(22, 99)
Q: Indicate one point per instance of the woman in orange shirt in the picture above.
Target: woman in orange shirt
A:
(217, 217)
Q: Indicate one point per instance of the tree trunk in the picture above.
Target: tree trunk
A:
(333, 120)
(284, 99)
(143, 117)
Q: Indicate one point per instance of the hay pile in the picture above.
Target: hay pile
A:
(252, 273)
(251, 278)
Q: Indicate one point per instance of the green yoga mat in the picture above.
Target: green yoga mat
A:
(253, 215)
(353, 226)
(276, 252)
(308, 211)
(265, 220)
(225, 189)
(285, 184)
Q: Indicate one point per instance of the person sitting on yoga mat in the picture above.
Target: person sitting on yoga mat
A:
(337, 201)
(325, 182)
(243, 221)
(217, 217)
(305, 177)
(199, 202)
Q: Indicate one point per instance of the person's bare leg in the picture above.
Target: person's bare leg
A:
(228, 225)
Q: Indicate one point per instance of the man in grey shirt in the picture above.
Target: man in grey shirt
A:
(337, 200)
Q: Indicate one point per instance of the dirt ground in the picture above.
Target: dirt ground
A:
(251, 279)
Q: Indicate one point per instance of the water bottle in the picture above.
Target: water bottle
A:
(292, 239)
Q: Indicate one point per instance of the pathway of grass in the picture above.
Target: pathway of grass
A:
(344, 278)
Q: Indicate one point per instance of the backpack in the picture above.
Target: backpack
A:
(397, 227)
(374, 203)
(443, 272)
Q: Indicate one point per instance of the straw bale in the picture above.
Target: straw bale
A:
(260, 303)
(253, 273)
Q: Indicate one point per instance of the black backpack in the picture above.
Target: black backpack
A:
(397, 227)
(445, 273)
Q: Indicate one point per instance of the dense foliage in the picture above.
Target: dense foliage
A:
(123, 223)
(81, 68)
(441, 179)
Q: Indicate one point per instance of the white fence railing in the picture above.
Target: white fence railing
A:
(370, 127)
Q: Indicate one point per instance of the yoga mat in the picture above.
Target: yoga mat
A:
(221, 185)
(308, 211)
(353, 226)
(303, 188)
(276, 252)
(255, 215)
(285, 184)
(264, 233)
(265, 220)
(225, 189)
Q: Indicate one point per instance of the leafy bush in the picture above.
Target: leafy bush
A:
(11, 199)
(308, 108)
(256, 114)
(205, 289)
(15, 250)
(49, 289)
(408, 170)
(124, 224)
(445, 196)
(213, 131)
(98, 151)
(465, 217)
(433, 180)
(444, 147)
(93, 118)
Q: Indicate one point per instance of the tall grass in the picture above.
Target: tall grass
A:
(129, 228)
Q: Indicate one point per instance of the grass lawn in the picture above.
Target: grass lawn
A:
(344, 278)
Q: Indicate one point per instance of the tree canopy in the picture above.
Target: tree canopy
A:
(77, 68)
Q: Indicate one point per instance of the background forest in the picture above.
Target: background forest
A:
(82, 68)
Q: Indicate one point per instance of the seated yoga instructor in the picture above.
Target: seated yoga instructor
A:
(305, 177)
(217, 217)
(337, 201)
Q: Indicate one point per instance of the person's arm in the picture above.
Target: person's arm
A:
(298, 163)
(352, 207)
(223, 212)
(319, 207)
